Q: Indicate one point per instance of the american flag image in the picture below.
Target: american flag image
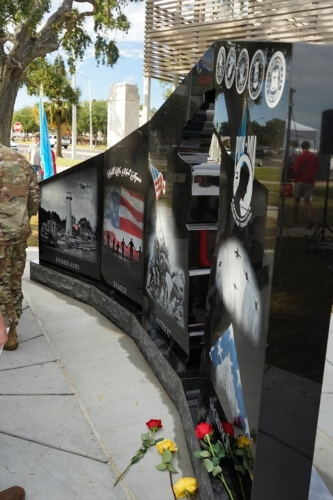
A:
(227, 375)
(125, 215)
(159, 182)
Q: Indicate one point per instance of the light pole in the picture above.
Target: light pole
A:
(90, 110)
(74, 120)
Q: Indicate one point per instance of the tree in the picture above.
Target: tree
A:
(33, 29)
(56, 86)
(99, 117)
(29, 118)
(167, 89)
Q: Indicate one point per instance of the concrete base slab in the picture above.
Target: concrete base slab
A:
(44, 378)
(318, 490)
(46, 473)
(118, 390)
(54, 421)
(322, 459)
(27, 328)
(35, 351)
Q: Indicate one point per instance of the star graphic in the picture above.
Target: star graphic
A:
(235, 286)
(238, 255)
(219, 349)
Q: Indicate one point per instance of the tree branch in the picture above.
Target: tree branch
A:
(93, 3)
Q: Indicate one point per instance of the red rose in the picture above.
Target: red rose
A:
(154, 424)
(228, 428)
(203, 429)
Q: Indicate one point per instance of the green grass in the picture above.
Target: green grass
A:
(67, 162)
(268, 174)
(33, 239)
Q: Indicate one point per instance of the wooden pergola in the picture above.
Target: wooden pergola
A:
(178, 32)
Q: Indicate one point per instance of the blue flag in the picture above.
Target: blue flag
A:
(45, 148)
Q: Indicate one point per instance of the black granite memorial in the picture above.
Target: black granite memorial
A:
(125, 170)
(185, 224)
(70, 220)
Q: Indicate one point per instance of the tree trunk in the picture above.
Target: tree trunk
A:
(59, 140)
(26, 48)
(10, 78)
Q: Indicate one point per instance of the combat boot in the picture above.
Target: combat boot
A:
(11, 343)
(13, 493)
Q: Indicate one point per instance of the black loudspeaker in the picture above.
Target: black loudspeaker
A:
(326, 134)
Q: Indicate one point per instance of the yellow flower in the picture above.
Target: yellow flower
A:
(244, 441)
(166, 444)
(185, 486)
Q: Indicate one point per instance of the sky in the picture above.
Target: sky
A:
(129, 67)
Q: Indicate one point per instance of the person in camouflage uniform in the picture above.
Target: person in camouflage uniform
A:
(19, 200)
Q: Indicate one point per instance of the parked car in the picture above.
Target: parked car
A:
(13, 145)
(267, 150)
(64, 141)
(260, 152)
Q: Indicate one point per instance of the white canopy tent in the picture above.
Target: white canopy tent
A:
(299, 132)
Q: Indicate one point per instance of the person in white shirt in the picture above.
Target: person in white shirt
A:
(34, 156)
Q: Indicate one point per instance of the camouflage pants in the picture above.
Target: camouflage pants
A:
(12, 263)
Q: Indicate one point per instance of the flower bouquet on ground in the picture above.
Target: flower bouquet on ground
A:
(230, 462)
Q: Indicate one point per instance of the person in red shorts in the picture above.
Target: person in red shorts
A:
(305, 168)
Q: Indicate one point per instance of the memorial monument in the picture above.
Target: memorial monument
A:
(180, 224)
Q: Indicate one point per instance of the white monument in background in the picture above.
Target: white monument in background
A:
(123, 111)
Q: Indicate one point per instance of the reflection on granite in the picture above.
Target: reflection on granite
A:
(286, 436)
(289, 409)
(283, 472)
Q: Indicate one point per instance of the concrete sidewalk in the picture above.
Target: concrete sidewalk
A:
(74, 399)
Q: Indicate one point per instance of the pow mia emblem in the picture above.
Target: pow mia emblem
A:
(242, 190)
(220, 66)
(275, 79)
(230, 68)
(257, 74)
(242, 71)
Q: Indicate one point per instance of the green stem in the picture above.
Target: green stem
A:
(122, 474)
(241, 486)
(210, 445)
(233, 459)
(226, 486)
(136, 458)
(171, 483)
(139, 454)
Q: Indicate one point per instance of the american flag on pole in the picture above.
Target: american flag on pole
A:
(159, 182)
(126, 215)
